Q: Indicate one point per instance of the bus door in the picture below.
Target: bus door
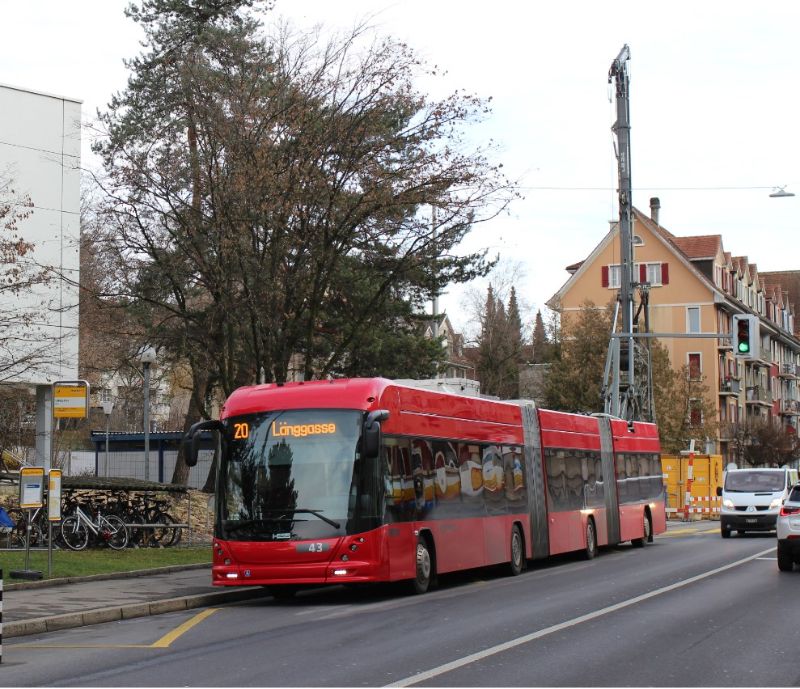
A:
(609, 480)
(537, 509)
(400, 508)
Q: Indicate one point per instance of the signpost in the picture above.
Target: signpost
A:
(31, 497)
(53, 512)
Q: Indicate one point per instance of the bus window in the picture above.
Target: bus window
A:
(494, 479)
(556, 479)
(422, 476)
(513, 465)
(574, 481)
(470, 470)
(622, 482)
(447, 484)
(592, 469)
(399, 489)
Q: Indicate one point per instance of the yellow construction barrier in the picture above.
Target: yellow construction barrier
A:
(691, 482)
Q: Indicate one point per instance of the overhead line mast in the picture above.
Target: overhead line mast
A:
(623, 397)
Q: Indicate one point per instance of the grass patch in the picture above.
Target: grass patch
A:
(68, 563)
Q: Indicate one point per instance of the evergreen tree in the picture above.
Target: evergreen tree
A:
(514, 348)
(541, 347)
(500, 346)
(574, 381)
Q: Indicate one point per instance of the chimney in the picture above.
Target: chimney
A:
(655, 206)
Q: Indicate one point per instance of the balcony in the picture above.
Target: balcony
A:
(727, 432)
(790, 407)
(758, 395)
(729, 387)
(788, 371)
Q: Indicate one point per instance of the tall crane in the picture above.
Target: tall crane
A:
(627, 384)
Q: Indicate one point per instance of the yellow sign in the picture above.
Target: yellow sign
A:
(70, 400)
(302, 430)
(54, 495)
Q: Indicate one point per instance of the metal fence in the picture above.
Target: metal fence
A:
(130, 464)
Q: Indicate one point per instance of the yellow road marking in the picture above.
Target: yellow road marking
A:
(682, 532)
(167, 639)
(163, 642)
(82, 646)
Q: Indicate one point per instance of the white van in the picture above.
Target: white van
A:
(752, 498)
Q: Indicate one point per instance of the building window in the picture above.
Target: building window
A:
(693, 319)
(695, 413)
(695, 370)
(614, 276)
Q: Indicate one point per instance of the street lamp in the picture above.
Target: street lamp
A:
(780, 193)
(147, 357)
(108, 407)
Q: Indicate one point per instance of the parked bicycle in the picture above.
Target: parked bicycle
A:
(147, 519)
(19, 534)
(78, 529)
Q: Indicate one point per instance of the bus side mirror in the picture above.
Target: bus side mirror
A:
(191, 441)
(719, 491)
(372, 433)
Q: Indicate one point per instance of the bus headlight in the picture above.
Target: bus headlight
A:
(727, 503)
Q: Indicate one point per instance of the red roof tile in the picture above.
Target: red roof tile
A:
(701, 246)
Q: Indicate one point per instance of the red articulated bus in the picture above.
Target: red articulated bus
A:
(368, 480)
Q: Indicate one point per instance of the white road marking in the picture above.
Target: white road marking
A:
(527, 638)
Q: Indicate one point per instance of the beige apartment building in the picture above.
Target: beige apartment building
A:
(696, 286)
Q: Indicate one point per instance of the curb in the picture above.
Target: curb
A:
(41, 625)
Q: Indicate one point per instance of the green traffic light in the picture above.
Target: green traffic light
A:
(744, 347)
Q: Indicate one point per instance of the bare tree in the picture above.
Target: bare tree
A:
(762, 442)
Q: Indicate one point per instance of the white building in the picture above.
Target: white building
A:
(40, 145)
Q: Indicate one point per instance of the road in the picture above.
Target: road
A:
(690, 609)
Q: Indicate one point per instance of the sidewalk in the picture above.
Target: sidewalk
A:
(36, 607)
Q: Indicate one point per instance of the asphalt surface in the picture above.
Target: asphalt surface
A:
(36, 607)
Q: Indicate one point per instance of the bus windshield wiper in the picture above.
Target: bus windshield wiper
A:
(285, 516)
(238, 524)
(321, 516)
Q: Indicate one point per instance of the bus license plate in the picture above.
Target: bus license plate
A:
(312, 547)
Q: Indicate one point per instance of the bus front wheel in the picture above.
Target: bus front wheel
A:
(424, 566)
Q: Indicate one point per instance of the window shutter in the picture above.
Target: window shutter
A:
(665, 273)
(642, 272)
(604, 277)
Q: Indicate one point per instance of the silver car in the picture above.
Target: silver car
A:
(788, 526)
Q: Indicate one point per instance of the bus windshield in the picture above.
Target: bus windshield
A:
(289, 475)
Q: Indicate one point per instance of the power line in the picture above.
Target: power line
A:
(606, 189)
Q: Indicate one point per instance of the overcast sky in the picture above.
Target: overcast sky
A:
(714, 108)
